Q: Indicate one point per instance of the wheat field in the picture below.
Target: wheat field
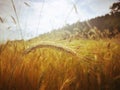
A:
(76, 65)
(76, 57)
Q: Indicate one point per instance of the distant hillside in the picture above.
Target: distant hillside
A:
(107, 26)
(106, 22)
(102, 26)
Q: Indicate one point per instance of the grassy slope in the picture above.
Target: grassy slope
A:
(95, 67)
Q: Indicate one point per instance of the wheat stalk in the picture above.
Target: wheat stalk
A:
(13, 5)
(1, 20)
(58, 47)
(13, 19)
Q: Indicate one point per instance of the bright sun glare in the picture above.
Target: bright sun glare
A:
(43, 17)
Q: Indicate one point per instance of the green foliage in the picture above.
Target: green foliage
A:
(115, 8)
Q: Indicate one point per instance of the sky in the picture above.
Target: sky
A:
(40, 16)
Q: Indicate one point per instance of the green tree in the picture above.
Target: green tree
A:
(115, 8)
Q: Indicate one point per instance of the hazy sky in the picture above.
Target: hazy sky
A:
(42, 16)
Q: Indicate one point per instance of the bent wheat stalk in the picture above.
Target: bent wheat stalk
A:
(54, 46)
